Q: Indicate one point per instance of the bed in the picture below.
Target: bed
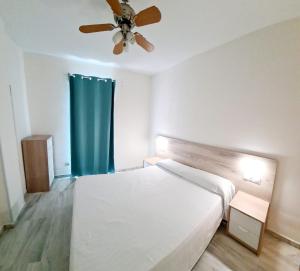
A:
(157, 218)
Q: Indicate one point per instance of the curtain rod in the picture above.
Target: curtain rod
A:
(89, 77)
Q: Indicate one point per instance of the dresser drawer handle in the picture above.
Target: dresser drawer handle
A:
(243, 229)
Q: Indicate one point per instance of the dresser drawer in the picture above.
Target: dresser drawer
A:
(244, 235)
(248, 223)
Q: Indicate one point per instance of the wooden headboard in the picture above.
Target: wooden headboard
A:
(219, 161)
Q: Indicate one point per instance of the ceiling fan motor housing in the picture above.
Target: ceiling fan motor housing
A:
(128, 14)
(126, 22)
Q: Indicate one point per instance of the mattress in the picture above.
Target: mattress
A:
(141, 220)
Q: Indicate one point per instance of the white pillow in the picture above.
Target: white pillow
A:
(206, 180)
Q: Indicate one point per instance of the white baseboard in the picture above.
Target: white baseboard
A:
(285, 239)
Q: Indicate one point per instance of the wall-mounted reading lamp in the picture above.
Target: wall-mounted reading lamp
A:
(162, 144)
(252, 169)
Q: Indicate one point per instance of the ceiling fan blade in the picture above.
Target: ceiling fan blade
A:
(140, 39)
(148, 16)
(96, 28)
(119, 47)
(115, 6)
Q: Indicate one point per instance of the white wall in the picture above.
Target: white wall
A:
(14, 121)
(4, 206)
(48, 98)
(244, 95)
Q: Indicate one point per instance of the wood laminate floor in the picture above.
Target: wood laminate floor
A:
(41, 241)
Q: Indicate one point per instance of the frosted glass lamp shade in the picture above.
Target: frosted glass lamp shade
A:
(118, 37)
(130, 37)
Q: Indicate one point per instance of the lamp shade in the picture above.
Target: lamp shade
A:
(118, 37)
(130, 37)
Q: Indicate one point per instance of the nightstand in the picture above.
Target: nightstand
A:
(151, 161)
(247, 220)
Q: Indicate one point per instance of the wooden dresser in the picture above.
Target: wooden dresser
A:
(38, 163)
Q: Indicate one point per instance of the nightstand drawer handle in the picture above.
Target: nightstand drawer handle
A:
(243, 229)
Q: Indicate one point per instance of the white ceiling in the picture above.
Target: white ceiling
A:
(187, 27)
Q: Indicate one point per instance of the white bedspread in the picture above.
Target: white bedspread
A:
(142, 220)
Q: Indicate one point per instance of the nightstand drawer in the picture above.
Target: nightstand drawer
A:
(248, 223)
(244, 235)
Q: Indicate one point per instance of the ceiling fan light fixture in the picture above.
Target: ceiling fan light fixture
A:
(117, 37)
(130, 37)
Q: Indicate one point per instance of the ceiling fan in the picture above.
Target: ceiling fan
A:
(126, 19)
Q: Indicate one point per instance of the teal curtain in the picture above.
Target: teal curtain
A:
(92, 125)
